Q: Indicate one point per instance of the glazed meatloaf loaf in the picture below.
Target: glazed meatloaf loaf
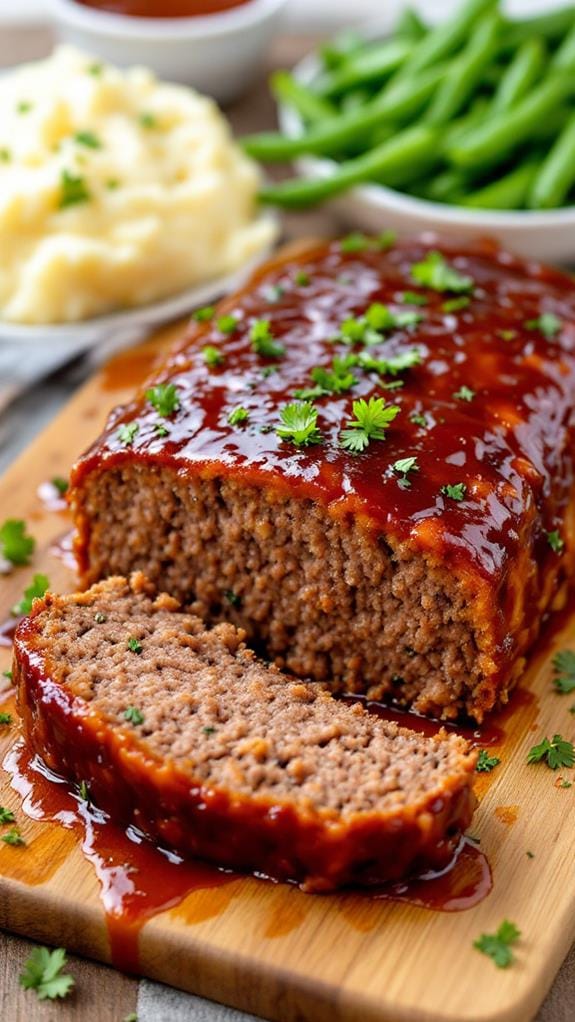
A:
(184, 733)
(365, 460)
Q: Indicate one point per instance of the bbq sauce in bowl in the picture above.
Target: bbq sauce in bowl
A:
(162, 8)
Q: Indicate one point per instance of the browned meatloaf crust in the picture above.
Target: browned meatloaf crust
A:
(184, 733)
(427, 585)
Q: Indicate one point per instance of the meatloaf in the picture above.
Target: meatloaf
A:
(210, 752)
(364, 459)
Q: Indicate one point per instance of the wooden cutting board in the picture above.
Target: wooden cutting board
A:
(268, 948)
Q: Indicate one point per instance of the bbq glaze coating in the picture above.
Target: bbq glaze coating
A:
(287, 838)
(511, 445)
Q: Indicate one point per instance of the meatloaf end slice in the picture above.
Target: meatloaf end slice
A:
(185, 734)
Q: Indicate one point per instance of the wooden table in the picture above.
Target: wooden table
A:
(101, 994)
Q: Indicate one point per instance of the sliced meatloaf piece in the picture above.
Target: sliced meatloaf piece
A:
(185, 734)
(407, 549)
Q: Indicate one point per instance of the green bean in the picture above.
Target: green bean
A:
(291, 92)
(442, 41)
(369, 65)
(557, 174)
(404, 100)
(522, 72)
(393, 162)
(336, 51)
(410, 26)
(546, 27)
(447, 186)
(564, 57)
(491, 143)
(508, 192)
(465, 72)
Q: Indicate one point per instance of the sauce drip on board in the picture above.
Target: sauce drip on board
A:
(162, 8)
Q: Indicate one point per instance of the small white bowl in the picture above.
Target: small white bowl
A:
(217, 54)
(548, 235)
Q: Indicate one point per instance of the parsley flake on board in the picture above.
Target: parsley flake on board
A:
(435, 272)
(35, 590)
(204, 314)
(555, 753)
(564, 666)
(486, 763)
(6, 815)
(455, 491)
(73, 190)
(371, 421)
(6, 718)
(403, 467)
(127, 433)
(497, 946)
(60, 484)
(299, 424)
(464, 394)
(16, 545)
(212, 356)
(336, 380)
(238, 415)
(134, 715)
(88, 139)
(547, 324)
(262, 339)
(555, 541)
(134, 645)
(43, 974)
(13, 837)
(164, 398)
(227, 324)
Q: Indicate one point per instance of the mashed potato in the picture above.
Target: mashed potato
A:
(115, 190)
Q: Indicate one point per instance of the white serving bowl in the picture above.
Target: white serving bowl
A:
(218, 54)
(547, 234)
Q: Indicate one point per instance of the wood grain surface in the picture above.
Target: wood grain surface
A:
(270, 949)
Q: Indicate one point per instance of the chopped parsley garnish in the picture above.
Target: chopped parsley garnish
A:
(204, 314)
(6, 815)
(134, 715)
(84, 791)
(455, 491)
(24, 106)
(273, 293)
(402, 468)
(134, 645)
(127, 433)
(73, 190)
(299, 424)
(112, 183)
(555, 753)
(233, 598)
(563, 783)
(418, 419)
(212, 356)
(385, 240)
(396, 364)
(95, 70)
(16, 545)
(564, 665)
(301, 278)
(355, 242)
(238, 415)
(60, 484)
(336, 380)
(100, 618)
(35, 590)
(88, 139)
(435, 272)
(209, 730)
(263, 341)
(164, 398)
(413, 298)
(5, 154)
(43, 974)
(371, 421)
(486, 763)
(160, 429)
(507, 335)
(393, 385)
(455, 304)
(464, 394)
(6, 718)
(13, 837)
(497, 946)
(227, 324)
(148, 120)
(369, 329)
(547, 324)
(555, 541)
(530, 855)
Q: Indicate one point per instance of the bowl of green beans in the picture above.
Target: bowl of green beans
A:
(466, 127)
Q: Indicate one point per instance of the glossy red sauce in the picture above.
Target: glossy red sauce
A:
(162, 8)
